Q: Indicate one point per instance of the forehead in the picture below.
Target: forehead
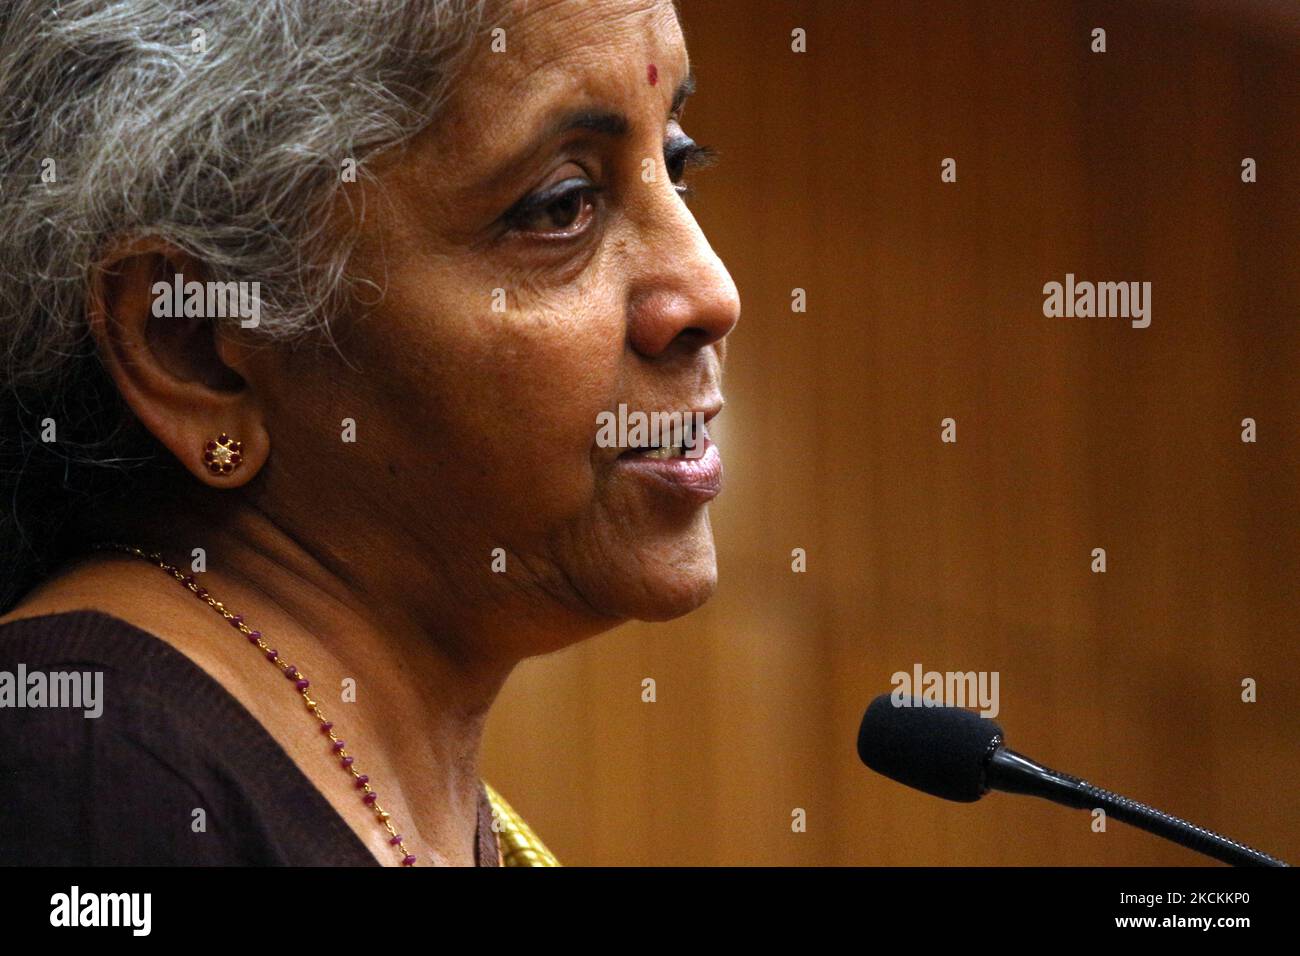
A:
(566, 51)
(539, 32)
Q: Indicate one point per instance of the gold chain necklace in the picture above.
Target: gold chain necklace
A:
(337, 747)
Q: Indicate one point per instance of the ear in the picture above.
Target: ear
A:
(178, 373)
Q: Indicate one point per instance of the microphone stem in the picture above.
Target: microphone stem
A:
(1009, 771)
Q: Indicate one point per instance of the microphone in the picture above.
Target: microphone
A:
(958, 755)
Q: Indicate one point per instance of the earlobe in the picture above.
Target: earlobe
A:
(171, 369)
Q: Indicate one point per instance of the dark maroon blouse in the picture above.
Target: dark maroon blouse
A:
(121, 788)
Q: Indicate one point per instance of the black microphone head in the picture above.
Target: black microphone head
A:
(940, 750)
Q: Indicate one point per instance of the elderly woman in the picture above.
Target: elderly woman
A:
(311, 310)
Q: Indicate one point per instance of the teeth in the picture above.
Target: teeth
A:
(665, 451)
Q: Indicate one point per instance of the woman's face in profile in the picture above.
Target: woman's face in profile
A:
(532, 281)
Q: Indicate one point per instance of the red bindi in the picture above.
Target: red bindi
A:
(652, 72)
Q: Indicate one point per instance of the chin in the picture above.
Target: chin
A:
(649, 574)
(666, 591)
(681, 602)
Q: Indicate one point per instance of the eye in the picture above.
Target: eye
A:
(564, 208)
(683, 154)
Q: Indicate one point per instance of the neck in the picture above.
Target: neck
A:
(409, 694)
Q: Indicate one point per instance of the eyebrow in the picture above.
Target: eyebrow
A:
(684, 89)
(607, 122)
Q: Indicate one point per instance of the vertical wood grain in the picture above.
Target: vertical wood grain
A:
(925, 302)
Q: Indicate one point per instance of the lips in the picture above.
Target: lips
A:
(696, 479)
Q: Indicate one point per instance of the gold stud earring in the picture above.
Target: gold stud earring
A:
(223, 454)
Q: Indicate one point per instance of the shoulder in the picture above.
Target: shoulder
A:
(115, 748)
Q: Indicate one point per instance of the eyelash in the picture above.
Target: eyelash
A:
(692, 155)
(689, 155)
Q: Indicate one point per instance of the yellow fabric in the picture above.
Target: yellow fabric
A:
(519, 844)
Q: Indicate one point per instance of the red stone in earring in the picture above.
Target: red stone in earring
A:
(223, 454)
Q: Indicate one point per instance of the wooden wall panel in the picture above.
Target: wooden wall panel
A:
(925, 302)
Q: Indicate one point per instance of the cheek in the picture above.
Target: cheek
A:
(504, 405)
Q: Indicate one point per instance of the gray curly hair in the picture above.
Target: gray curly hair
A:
(219, 127)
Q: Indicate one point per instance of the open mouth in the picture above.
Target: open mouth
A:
(683, 460)
(662, 452)
(690, 443)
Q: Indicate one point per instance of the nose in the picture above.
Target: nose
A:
(682, 297)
